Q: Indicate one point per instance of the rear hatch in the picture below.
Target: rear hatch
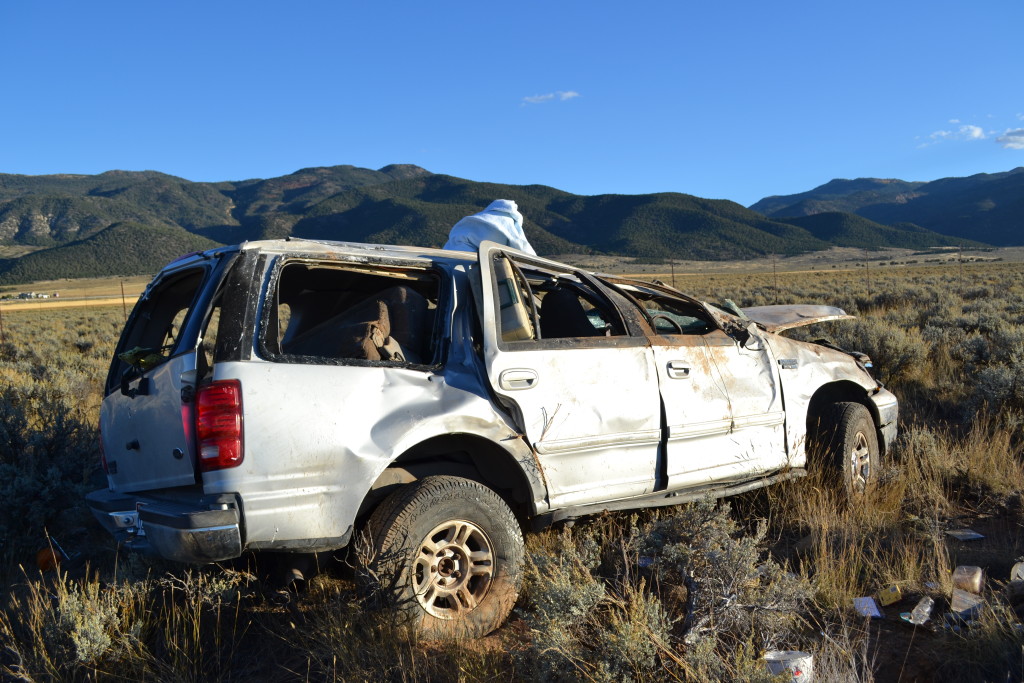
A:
(147, 419)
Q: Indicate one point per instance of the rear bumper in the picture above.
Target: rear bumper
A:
(199, 531)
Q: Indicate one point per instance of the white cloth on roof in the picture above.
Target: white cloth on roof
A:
(500, 222)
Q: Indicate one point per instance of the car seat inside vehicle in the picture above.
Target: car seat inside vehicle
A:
(344, 314)
(562, 315)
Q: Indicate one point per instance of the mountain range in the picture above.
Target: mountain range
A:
(987, 206)
(126, 222)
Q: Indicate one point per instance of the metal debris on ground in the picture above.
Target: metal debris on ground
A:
(964, 534)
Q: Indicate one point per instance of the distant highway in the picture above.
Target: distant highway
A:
(40, 304)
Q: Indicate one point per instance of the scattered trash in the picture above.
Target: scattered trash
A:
(965, 605)
(931, 585)
(964, 534)
(888, 596)
(52, 556)
(867, 607)
(1017, 573)
(968, 578)
(48, 559)
(799, 665)
(921, 612)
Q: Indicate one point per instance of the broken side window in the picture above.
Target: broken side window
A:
(153, 333)
(538, 305)
(676, 316)
(332, 313)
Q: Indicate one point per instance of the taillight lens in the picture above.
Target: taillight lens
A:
(219, 425)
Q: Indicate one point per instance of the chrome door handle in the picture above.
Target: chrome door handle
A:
(517, 379)
(677, 369)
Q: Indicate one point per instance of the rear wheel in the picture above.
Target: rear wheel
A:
(851, 445)
(448, 552)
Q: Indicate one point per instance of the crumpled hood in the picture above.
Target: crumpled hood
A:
(788, 316)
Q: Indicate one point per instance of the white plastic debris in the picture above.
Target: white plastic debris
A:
(799, 665)
(920, 614)
(867, 607)
(964, 604)
(964, 534)
(968, 578)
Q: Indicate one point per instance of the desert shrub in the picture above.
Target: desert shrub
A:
(179, 627)
(582, 626)
(48, 451)
(732, 587)
(56, 627)
(897, 352)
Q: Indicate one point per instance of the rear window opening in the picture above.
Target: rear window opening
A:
(154, 331)
(320, 312)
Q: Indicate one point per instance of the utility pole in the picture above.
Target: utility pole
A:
(775, 276)
(960, 260)
(124, 306)
(3, 337)
(672, 265)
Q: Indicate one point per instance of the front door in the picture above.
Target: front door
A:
(582, 390)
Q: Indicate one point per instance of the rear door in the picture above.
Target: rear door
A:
(723, 410)
(583, 390)
(146, 419)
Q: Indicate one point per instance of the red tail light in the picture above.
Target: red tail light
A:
(219, 425)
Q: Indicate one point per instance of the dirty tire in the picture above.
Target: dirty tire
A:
(851, 444)
(448, 553)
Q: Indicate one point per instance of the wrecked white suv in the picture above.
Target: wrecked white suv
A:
(286, 395)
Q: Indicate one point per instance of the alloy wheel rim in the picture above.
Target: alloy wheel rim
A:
(860, 462)
(453, 569)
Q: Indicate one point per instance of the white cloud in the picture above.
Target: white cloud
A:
(972, 132)
(965, 132)
(954, 120)
(1012, 139)
(537, 99)
(560, 95)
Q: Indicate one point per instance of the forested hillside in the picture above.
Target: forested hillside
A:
(156, 214)
(988, 207)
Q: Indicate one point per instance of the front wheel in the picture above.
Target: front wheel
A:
(448, 552)
(851, 443)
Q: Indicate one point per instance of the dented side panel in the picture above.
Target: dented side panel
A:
(804, 369)
(589, 406)
(316, 439)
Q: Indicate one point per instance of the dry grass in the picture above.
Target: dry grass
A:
(694, 593)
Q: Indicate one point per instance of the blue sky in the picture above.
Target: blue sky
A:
(733, 100)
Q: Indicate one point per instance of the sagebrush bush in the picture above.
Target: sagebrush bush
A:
(48, 452)
(733, 587)
(689, 593)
